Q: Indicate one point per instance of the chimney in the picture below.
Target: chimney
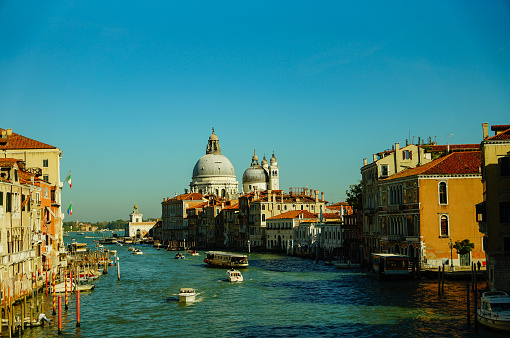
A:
(365, 162)
(316, 195)
(485, 127)
(322, 196)
(374, 157)
(397, 157)
(9, 132)
(269, 195)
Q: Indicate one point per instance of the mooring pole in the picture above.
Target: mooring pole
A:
(468, 307)
(59, 314)
(118, 269)
(54, 294)
(77, 307)
(439, 280)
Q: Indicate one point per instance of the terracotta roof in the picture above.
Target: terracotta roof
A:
(459, 163)
(294, 214)
(498, 127)
(8, 162)
(17, 141)
(504, 135)
(186, 197)
(234, 206)
(453, 147)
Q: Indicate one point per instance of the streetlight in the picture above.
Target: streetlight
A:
(451, 253)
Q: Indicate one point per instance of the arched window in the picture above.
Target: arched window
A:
(263, 218)
(443, 196)
(445, 230)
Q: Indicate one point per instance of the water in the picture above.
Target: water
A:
(280, 296)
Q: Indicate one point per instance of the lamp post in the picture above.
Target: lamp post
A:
(451, 254)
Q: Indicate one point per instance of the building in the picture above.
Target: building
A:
(136, 227)
(214, 174)
(261, 177)
(280, 228)
(174, 226)
(494, 212)
(423, 211)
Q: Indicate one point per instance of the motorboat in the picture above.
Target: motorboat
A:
(137, 252)
(222, 259)
(234, 276)
(179, 256)
(61, 287)
(131, 248)
(494, 311)
(193, 252)
(186, 295)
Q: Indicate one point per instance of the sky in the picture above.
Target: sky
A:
(130, 90)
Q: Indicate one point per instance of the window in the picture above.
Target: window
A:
(444, 226)
(8, 202)
(15, 175)
(504, 212)
(263, 218)
(504, 166)
(506, 244)
(45, 178)
(384, 170)
(1, 198)
(442, 193)
(45, 163)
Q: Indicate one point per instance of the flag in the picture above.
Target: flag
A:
(68, 179)
(70, 209)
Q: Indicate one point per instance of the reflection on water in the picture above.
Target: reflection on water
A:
(280, 296)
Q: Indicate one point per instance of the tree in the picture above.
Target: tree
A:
(463, 247)
(354, 195)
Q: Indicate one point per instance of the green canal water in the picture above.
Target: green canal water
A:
(281, 296)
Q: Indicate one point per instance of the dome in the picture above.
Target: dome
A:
(255, 174)
(213, 165)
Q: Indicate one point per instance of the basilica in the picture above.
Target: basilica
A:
(214, 174)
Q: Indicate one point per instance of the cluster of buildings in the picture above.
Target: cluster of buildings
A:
(214, 214)
(30, 212)
(420, 200)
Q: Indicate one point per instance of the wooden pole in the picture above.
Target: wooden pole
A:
(54, 294)
(78, 308)
(439, 280)
(442, 281)
(468, 313)
(59, 314)
(118, 269)
(476, 307)
(46, 283)
(65, 281)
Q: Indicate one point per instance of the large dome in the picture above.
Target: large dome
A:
(213, 165)
(255, 174)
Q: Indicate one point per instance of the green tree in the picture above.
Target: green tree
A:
(463, 247)
(354, 195)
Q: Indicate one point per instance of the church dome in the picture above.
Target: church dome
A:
(213, 165)
(255, 174)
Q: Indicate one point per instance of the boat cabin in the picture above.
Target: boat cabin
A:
(77, 248)
(390, 265)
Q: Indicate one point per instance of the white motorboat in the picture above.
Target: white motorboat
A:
(137, 252)
(234, 276)
(494, 311)
(186, 295)
(61, 287)
(131, 248)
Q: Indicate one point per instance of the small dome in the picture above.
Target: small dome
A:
(273, 160)
(255, 174)
(264, 162)
(213, 165)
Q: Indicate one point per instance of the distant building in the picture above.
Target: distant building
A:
(136, 227)
(494, 212)
(214, 174)
(261, 177)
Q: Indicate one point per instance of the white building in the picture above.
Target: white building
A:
(136, 227)
(261, 177)
(280, 229)
(214, 174)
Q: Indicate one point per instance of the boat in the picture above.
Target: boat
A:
(346, 265)
(494, 311)
(61, 287)
(131, 248)
(234, 276)
(389, 266)
(179, 256)
(193, 252)
(186, 295)
(226, 259)
(78, 247)
(81, 233)
(137, 252)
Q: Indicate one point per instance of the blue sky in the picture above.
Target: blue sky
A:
(129, 90)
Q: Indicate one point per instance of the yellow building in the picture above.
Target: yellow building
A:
(424, 210)
(493, 214)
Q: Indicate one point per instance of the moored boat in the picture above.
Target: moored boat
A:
(137, 252)
(234, 276)
(494, 311)
(179, 256)
(222, 259)
(186, 295)
(389, 266)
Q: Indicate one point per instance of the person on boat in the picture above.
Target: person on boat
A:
(479, 265)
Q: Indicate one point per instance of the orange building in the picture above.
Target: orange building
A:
(425, 210)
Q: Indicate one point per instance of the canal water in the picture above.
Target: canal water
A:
(280, 296)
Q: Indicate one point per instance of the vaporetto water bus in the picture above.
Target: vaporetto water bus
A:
(222, 259)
